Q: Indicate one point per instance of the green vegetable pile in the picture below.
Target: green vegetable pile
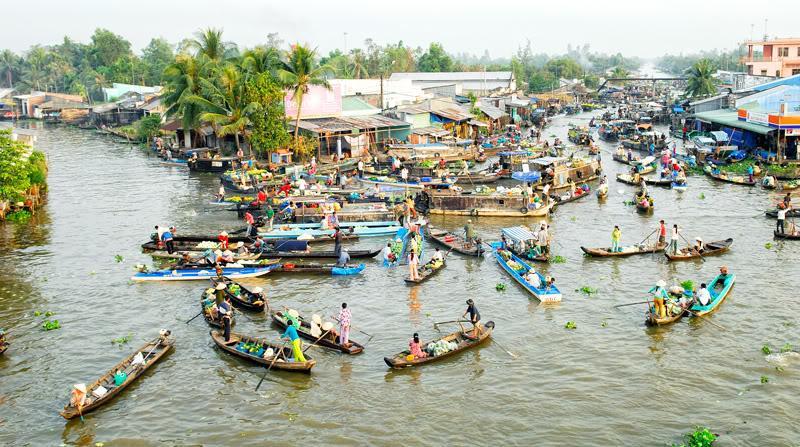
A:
(688, 284)
(766, 350)
(571, 325)
(500, 287)
(558, 260)
(427, 164)
(700, 437)
(768, 245)
(21, 216)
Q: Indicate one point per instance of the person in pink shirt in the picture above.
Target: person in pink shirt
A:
(416, 348)
(344, 325)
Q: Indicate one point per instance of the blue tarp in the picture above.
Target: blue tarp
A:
(533, 176)
(677, 109)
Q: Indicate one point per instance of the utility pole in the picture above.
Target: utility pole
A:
(382, 108)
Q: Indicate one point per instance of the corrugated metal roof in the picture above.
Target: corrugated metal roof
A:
(490, 110)
(518, 234)
(455, 76)
(452, 113)
(730, 118)
(431, 130)
(5, 92)
(414, 109)
(350, 123)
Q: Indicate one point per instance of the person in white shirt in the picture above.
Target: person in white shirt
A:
(781, 219)
(301, 185)
(404, 174)
(543, 239)
(546, 194)
(360, 168)
(673, 241)
(703, 297)
(437, 255)
(533, 279)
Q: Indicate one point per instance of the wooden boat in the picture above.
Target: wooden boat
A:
(728, 178)
(542, 293)
(630, 250)
(454, 242)
(560, 200)
(246, 299)
(330, 340)
(361, 231)
(680, 187)
(643, 166)
(711, 248)
(211, 164)
(197, 274)
(652, 319)
(400, 360)
(719, 288)
(209, 294)
(268, 256)
(794, 212)
(642, 206)
(479, 178)
(284, 352)
(152, 352)
(331, 269)
(786, 235)
(425, 272)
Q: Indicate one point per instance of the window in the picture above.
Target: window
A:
(784, 52)
(798, 51)
(777, 73)
(763, 72)
(795, 71)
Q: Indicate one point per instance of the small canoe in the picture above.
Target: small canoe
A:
(786, 235)
(425, 272)
(330, 340)
(4, 348)
(331, 269)
(245, 299)
(560, 200)
(628, 179)
(652, 319)
(736, 179)
(479, 178)
(711, 248)
(361, 231)
(719, 288)
(208, 294)
(152, 352)
(400, 360)
(519, 268)
(284, 362)
(643, 207)
(198, 274)
(630, 250)
(454, 242)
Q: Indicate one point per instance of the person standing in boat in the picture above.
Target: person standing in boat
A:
(337, 241)
(474, 318)
(662, 232)
(360, 168)
(781, 218)
(616, 236)
(673, 240)
(659, 295)
(167, 238)
(469, 232)
(220, 192)
(344, 258)
(345, 316)
(250, 221)
(413, 265)
(543, 239)
(297, 345)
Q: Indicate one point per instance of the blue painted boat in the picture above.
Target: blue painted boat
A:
(294, 233)
(680, 187)
(403, 234)
(351, 270)
(543, 294)
(198, 274)
(719, 288)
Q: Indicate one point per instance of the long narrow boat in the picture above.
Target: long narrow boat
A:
(645, 166)
(629, 250)
(652, 319)
(300, 232)
(711, 248)
(454, 242)
(628, 179)
(736, 179)
(245, 298)
(151, 351)
(331, 269)
(478, 178)
(283, 362)
(560, 200)
(786, 235)
(198, 274)
(542, 293)
(207, 299)
(794, 212)
(425, 272)
(268, 256)
(719, 288)
(463, 342)
(202, 243)
(330, 340)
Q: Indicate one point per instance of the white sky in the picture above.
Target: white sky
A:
(641, 28)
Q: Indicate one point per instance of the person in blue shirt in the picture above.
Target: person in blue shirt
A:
(225, 313)
(344, 258)
(166, 237)
(297, 347)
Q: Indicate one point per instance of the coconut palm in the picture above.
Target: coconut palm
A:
(209, 43)
(9, 63)
(223, 103)
(183, 81)
(299, 72)
(701, 80)
(261, 59)
(35, 70)
(358, 64)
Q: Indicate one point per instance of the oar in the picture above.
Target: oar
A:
(513, 356)
(631, 304)
(648, 237)
(316, 341)
(436, 325)
(353, 328)
(274, 359)
(201, 313)
(710, 321)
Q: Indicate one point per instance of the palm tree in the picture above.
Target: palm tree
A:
(701, 80)
(209, 43)
(261, 59)
(183, 80)
(35, 67)
(358, 64)
(619, 72)
(8, 64)
(224, 104)
(299, 72)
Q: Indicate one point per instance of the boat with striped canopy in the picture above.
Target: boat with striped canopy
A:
(517, 268)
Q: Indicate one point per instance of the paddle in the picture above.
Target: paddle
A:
(710, 321)
(513, 356)
(631, 304)
(274, 359)
(201, 313)
(317, 340)
(436, 325)
(648, 237)
(354, 328)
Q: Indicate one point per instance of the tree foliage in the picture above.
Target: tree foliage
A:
(701, 80)
(267, 122)
(19, 167)
(435, 59)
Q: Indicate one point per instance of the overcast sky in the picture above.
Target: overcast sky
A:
(640, 28)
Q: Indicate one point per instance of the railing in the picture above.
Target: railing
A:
(790, 58)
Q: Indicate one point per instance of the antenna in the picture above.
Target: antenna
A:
(765, 30)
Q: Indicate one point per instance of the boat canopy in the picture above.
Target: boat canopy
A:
(720, 136)
(704, 140)
(518, 234)
(547, 161)
(532, 176)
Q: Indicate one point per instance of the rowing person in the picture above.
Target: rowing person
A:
(388, 255)
(297, 345)
(659, 295)
(474, 318)
(185, 260)
(415, 347)
(703, 295)
(698, 246)
(345, 316)
(616, 236)
(533, 279)
(662, 232)
(344, 258)
(79, 398)
(469, 232)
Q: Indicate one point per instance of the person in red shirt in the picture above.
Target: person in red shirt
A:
(662, 232)
(248, 218)
(223, 240)
(285, 188)
(262, 196)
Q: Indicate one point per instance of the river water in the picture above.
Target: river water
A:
(610, 381)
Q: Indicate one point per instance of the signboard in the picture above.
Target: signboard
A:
(793, 132)
(758, 118)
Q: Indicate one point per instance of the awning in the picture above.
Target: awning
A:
(532, 176)
(730, 118)
(518, 234)
(477, 123)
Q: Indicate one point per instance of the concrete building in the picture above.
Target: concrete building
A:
(118, 91)
(478, 82)
(779, 57)
(395, 92)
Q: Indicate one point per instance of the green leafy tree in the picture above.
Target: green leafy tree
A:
(209, 43)
(542, 81)
(701, 80)
(107, 47)
(34, 72)
(156, 57)
(183, 80)
(148, 127)
(9, 64)
(564, 68)
(14, 168)
(435, 59)
(261, 59)
(267, 119)
(298, 73)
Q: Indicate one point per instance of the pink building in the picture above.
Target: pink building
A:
(779, 57)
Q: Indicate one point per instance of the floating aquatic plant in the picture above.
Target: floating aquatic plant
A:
(604, 323)
(558, 260)
(764, 379)
(118, 258)
(702, 196)
(768, 245)
(587, 290)
(51, 325)
(571, 325)
(700, 437)
(122, 340)
(787, 347)
(766, 350)
(500, 287)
